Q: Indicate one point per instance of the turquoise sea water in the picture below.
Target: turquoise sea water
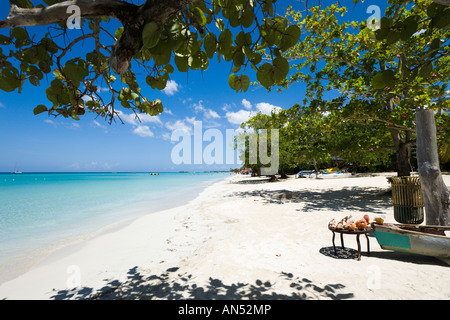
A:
(39, 210)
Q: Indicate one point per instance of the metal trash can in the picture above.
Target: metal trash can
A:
(407, 199)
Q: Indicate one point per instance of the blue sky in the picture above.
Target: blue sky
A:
(41, 143)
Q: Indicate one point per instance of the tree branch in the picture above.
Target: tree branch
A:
(25, 17)
(133, 18)
(324, 56)
(443, 2)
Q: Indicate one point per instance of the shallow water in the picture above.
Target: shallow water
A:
(40, 212)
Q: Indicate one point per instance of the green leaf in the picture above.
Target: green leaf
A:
(4, 40)
(290, 37)
(225, 41)
(435, 46)
(410, 27)
(426, 70)
(243, 39)
(57, 93)
(281, 69)
(25, 4)
(233, 81)
(182, 63)
(384, 31)
(403, 68)
(39, 109)
(9, 80)
(76, 72)
(151, 35)
(199, 16)
(434, 9)
(247, 18)
(384, 79)
(162, 59)
(20, 34)
(210, 45)
(245, 82)
(238, 58)
(442, 20)
(51, 2)
(119, 32)
(154, 108)
(393, 37)
(264, 75)
(158, 83)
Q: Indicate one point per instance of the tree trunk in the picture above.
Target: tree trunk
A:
(403, 164)
(402, 147)
(315, 165)
(434, 190)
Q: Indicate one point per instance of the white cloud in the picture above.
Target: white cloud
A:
(171, 88)
(190, 120)
(168, 111)
(266, 108)
(143, 131)
(186, 100)
(74, 165)
(244, 115)
(180, 125)
(208, 113)
(226, 107)
(146, 118)
(238, 117)
(140, 129)
(247, 105)
(2, 106)
(56, 124)
(143, 118)
(97, 124)
(166, 136)
(103, 89)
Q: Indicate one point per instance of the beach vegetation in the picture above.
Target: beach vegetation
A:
(378, 77)
(369, 84)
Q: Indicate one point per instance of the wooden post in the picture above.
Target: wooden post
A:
(434, 190)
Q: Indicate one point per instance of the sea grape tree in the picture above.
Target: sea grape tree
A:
(152, 37)
(381, 75)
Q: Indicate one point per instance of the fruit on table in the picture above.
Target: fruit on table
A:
(347, 223)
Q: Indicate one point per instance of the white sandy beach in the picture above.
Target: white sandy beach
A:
(242, 238)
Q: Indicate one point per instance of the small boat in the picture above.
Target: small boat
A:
(16, 172)
(305, 174)
(334, 175)
(418, 239)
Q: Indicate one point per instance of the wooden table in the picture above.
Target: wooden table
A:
(357, 233)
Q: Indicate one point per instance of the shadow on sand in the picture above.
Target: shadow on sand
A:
(173, 286)
(372, 200)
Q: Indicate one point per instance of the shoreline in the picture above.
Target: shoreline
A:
(242, 238)
(27, 259)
